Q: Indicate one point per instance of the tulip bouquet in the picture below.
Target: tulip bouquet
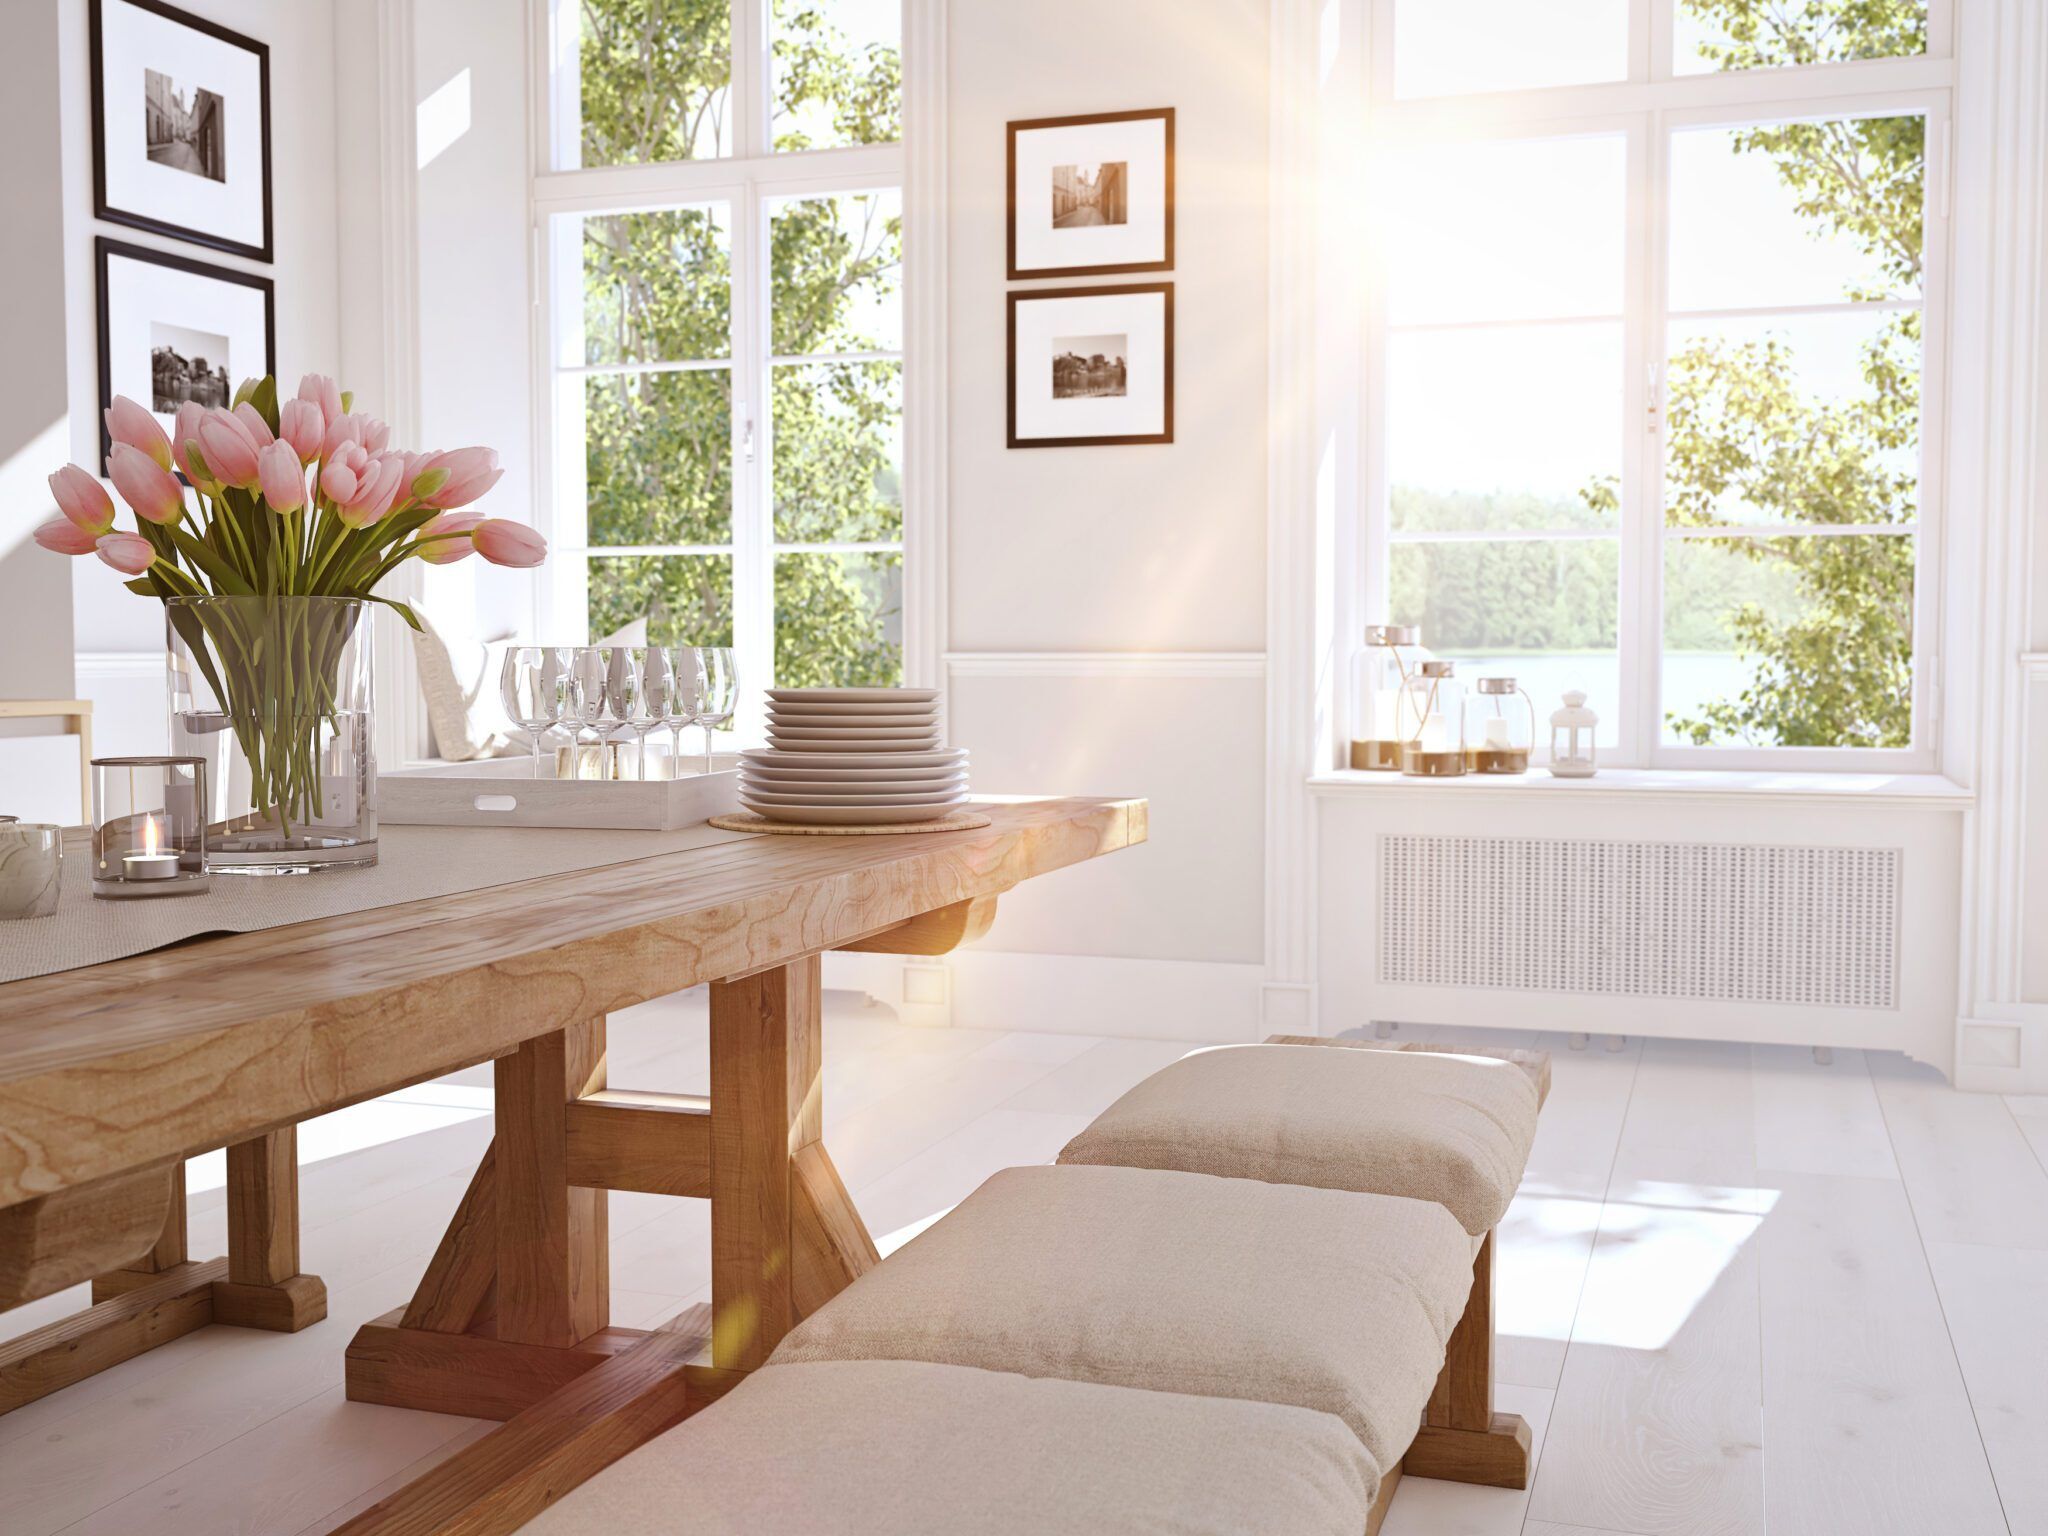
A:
(293, 499)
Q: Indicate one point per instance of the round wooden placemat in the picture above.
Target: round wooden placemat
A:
(747, 821)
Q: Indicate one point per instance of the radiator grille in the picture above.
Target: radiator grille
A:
(1711, 921)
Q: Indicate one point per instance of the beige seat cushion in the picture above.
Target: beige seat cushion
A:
(889, 1448)
(1453, 1129)
(1175, 1282)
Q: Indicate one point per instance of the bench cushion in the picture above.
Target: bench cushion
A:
(1452, 1129)
(1173, 1282)
(889, 1448)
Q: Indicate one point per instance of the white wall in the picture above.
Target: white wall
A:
(1119, 557)
(120, 634)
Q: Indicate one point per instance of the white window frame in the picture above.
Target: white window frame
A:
(1646, 108)
(749, 182)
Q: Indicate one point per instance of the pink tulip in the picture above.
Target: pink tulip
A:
(375, 433)
(259, 429)
(319, 390)
(129, 423)
(66, 537)
(183, 435)
(503, 542)
(471, 472)
(300, 423)
(129, 553)
(340, 430)
(281, 476)
(341, 475)
(145, 484)
(448, 551)
(230, 451)
(82, 499)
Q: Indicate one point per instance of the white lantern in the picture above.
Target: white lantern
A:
(1571, 738)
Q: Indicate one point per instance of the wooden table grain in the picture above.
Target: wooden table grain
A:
(112, 1075)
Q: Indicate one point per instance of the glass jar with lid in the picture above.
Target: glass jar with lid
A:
(1500, 733)
(1431, 702)
(1378, 669)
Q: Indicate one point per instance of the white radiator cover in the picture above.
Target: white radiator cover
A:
(1811, 926)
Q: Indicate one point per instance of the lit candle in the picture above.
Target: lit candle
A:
(149, 862)
(1497, 735)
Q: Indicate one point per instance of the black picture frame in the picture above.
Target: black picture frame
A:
(1115, 440)
(104, 249)
(1028, 125)
(110, 214)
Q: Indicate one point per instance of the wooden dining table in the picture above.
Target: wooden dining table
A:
(113, 1074)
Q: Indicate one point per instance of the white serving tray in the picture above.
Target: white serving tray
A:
(502, 792)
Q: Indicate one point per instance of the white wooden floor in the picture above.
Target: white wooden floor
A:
(1739, 1292)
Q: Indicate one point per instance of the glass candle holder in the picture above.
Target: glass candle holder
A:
(31, 868)
(1499, 733)
(1378, 669)
(1431, 701)
(148, 827)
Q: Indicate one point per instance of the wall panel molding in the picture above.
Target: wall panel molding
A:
(1245, 664)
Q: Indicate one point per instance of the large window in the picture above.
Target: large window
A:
(724, 255)
(1648, 362)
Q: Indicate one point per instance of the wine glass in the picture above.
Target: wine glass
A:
(658, 689)
(589, 668)
(686, 700)
(721, 692)
(531, 689)
(626, 688)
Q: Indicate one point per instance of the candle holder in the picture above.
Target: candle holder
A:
(1431, 698)
(148, 827)
(1378, 671)
(1498, 736)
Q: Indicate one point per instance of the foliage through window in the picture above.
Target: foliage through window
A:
(727, 401)
(1698, 499)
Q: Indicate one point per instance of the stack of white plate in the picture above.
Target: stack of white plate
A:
(853, 757)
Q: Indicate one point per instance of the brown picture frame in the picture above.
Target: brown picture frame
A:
(1028, 125)
(1120, 440)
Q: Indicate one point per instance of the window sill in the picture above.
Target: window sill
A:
(1928, 791)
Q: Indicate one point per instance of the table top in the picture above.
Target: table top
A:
(174, 1052)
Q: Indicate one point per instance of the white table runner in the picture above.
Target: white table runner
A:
(413, 864)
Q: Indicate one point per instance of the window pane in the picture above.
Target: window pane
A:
(657, 287)
(1794, 419)
(658, 457)
(838, 73)
(1742, 34)
(837, 279)
(686, 599)
(1543, 611)
(839, 453)
(1797, 213)
(1789, 642)
(654, 79)
(1521, 229)
(839, 620)
(1447, 47)
(1505, 428)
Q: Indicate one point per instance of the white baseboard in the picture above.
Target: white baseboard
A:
(1210, 1001)
(2003, 1050)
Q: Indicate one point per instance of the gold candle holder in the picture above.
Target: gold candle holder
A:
(1497, 760)
(1377, 756)
(1419, 764)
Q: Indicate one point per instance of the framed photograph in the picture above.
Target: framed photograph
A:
(181, 127)
(173, 329)
(1091, 195)
(1091, 367)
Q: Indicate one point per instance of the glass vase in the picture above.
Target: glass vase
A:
(275, 694)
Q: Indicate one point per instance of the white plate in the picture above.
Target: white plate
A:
(853, 722)
(864, 745)
(829, 772)
(852, 815)
(848, 732)
(880, 784)
(913, 707)
(836, 758)
(853, 695)
(825, 794)
(762, 797)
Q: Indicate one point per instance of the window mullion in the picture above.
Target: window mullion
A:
(1639, 620)
(750, 89)
(752, 573)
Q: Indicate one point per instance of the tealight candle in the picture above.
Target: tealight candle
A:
(149, 831)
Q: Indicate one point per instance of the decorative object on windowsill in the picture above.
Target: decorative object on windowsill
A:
(1091, 367)
(1378, 669)
(1498, 736)
(1430, 701)
(1572, 728)
(301, 510)
(148, 827)
(31, 868)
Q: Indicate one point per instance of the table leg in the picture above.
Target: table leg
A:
(554, 1266)
(168, 1251)
(264, 1288)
